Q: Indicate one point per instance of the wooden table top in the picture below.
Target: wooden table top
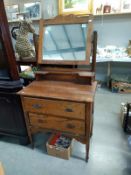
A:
(60, 90)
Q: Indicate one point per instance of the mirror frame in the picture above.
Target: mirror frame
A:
(61, 20)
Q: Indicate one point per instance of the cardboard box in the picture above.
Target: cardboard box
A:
(1, 169)
(120, 87)
(53, 150)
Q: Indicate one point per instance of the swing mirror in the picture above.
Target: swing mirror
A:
(65, 40)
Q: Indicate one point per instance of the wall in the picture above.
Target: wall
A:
(48, 7)
(112, 30)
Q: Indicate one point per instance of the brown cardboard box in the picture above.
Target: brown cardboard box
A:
(61, 153)
(1, 169)
(121, 87)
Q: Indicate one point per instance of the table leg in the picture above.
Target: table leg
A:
(91, 132)
(31, 140)
(87, 152)
(89, 126)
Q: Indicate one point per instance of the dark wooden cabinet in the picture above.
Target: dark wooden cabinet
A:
(6, 43)
(11, 119)
(11, 115)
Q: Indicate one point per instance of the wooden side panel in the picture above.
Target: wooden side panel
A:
(40, 41)
(89, 41)
(61, 124)
(5, 34)
(94, 50)
(54, 107)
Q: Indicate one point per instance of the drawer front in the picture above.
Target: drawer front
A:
(54, 107)
(57, 123)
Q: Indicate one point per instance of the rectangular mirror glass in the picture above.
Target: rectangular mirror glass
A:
(65, 42)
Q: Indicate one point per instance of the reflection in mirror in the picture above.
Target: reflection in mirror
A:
(65, 42)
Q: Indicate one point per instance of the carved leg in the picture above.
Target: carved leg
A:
(31, 140)
(89, 127)
(91, 132)
(87, 152)
(30, 135)
(28, 126)
(92, 123)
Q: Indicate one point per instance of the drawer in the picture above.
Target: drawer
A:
(57, 123)
(55, 107)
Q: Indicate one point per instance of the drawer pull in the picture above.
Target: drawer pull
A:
(36, 106)
(70, 126)
(68, 110)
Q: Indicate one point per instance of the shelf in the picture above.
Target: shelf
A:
(107, 59)
(95, 15)
(113, 14)
(26, 63)
(17, 20)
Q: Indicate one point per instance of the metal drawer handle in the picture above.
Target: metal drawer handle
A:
(68, 110)
(70, 126)
(36, 106)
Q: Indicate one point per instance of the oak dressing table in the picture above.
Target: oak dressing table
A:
(62, 96)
